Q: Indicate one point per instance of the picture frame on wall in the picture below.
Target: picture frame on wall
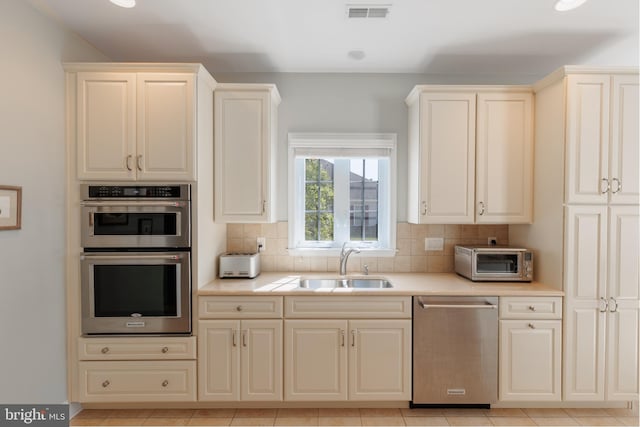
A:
(10, 207)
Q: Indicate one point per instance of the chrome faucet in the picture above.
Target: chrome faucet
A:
(344, 257)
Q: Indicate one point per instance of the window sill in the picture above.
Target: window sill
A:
(364, 253)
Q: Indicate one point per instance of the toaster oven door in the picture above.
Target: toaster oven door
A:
(505, 265)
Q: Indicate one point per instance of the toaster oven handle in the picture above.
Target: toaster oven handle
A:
(133, 204)
(128, 256)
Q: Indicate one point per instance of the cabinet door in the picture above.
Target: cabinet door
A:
(623, 290)
(447, 157)
(315, 360)
(379, 359)
(585, 311)
(218, 360)
(106, 126)
(166, 126)
(242, 156)
(530, 360)
(261, 360)
(504, 158)
(624, 177)
(587, 162)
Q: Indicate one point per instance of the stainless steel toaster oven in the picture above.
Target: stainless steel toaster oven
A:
(494, 263)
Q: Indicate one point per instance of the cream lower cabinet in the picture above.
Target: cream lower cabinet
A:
(240, 360)
(530, 349)
(240, 348)
(137, 369)
(336, 359)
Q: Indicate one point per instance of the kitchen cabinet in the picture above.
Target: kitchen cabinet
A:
(602, 289)
(240, 357)
(586, 230)
(136, 125)
(470, 155)
(530, 349)
(602, 139)
(245, 152)
(335, 354)
(135, 369)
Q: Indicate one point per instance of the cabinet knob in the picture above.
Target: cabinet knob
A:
(239, 308)
(105, 350)
(532, 308)
(165, 383)
(531, 326)
(165, 349)
(105, 383)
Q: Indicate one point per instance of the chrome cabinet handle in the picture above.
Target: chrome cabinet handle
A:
(139, 162)
(607, 188)
(606, 305)
(105, 383)
(105, 350)
(424, 208)
(618, 186)
(341, 337)
(165, 383)
(165, 349)
(614, 306)
(531, 326)
(353, 337)
(481, 208)
(129, 158)
(532, 308)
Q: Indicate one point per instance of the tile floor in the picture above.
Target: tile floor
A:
(357, 417)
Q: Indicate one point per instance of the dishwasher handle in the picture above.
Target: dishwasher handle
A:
(485, 305)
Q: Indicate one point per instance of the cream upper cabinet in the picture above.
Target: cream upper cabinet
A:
(602, 139)
(470, 155)
(504, 158)
(135, 126)
(601, 326)
(245, 152)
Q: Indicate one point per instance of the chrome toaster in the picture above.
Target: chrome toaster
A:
(235, 264)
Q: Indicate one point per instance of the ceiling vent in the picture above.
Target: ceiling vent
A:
(356, 11)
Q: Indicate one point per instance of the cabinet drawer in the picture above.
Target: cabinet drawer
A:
(141, 381)
(371, 307)
(531, 307)
(138, 348)
(239, 307)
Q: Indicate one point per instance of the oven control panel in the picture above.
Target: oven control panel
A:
(136, 191)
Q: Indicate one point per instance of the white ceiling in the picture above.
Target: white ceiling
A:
(419, 36)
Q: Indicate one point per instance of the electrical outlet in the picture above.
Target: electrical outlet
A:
(433, 244)
(261, 244)
(492, 241)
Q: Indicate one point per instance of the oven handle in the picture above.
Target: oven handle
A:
(120, 256)
(132, 204)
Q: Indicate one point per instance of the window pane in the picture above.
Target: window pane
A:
(363, 199)
(319, 199)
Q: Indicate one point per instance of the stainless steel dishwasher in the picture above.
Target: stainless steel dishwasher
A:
(455, 350)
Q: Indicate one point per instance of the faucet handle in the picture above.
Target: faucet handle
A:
(365, 269)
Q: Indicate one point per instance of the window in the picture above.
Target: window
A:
(340, 191)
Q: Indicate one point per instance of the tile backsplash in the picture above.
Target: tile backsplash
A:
(410, 241)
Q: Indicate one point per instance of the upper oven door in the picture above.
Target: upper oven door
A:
(136, 224)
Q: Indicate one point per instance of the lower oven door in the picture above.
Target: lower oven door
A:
(136, 292)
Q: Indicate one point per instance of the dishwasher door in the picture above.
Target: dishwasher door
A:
(455, 350)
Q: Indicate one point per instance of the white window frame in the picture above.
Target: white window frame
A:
(341, 145)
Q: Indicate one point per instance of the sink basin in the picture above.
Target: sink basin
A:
(360, 282)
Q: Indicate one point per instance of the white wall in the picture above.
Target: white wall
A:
(349, 103)
(32, 155)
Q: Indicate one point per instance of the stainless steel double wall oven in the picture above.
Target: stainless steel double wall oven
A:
(136, 262)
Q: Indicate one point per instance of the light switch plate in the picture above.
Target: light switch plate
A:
(433, 244)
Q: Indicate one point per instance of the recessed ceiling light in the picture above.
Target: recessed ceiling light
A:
(564, 5)
(124, 3)
(356, 54)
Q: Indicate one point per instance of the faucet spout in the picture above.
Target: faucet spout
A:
(344, 257)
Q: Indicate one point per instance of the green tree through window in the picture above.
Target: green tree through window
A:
(318, 200)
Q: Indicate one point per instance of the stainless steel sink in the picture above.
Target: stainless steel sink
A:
(360, 282)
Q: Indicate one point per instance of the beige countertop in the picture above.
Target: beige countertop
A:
(403, 284)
